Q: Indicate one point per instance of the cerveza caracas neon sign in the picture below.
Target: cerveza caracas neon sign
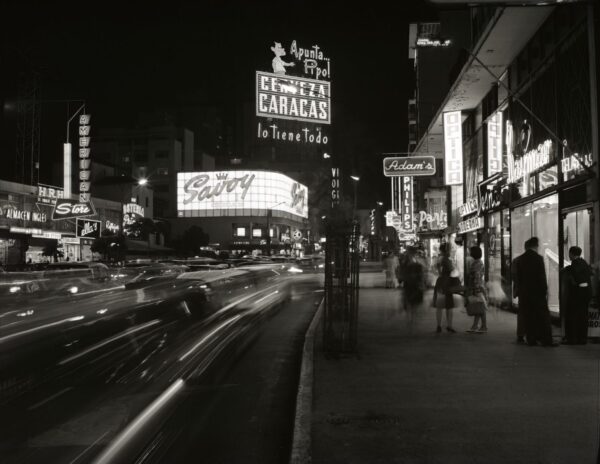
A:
(197, 189)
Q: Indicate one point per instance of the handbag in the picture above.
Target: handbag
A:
(454, 285)
(476, 305)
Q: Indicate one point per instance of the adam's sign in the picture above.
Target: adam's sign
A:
(67, 209)
(410, 167)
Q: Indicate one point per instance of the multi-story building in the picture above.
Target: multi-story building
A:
(433, 50)
(154, 153)
(519, 133)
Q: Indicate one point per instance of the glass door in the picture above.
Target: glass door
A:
(576, 232)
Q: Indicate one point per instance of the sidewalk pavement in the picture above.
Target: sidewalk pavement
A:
(413, 396)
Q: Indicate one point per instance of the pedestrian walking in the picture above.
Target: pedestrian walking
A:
(533, 295)
(576, 295)
(520, 308)
(414, 285)
(475, 292)
(443, 298)
(390, 263)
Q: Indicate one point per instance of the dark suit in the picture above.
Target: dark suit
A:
(515, 294)
(577, 293)
(533, 297)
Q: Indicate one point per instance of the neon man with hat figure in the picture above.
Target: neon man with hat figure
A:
(278, 64)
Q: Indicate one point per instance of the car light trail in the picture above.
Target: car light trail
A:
(107, 341)
(110, 455)
(204, 339)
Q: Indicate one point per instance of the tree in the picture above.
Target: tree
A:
(110, 246)
(142, 228)
(52, 250)
(191, 241)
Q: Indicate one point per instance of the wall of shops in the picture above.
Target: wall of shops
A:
(26, 226)
(542, 190)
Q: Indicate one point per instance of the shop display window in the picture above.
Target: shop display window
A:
(576, 232)
(540, 219)
(545, 227)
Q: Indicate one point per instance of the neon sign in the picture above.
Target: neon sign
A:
(571, 166)
(494, 144)
(239, 193)
(305, 135)
(295, 98)
(84, 158)
(311, 58)
(470, 225)
(435, 221)
(407, 203)
(453, 155)
(413, 166)
(531, 161)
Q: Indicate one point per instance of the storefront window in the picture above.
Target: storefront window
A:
(545, 227)
(520, 229)
(494, 234)
(576, 232)
(506, 270)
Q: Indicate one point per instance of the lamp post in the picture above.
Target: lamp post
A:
(269, 216)
(355, 179)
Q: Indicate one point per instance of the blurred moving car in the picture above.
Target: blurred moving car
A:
(155, 273)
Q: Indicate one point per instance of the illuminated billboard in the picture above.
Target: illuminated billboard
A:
(280, 96)
(453, 155)
(239, 193)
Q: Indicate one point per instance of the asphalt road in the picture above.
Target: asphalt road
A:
(247, 415)
(240, 409)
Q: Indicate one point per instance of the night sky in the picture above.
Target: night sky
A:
(127, 57)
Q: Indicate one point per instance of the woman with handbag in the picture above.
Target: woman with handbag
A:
(475, 293)
(442, 293)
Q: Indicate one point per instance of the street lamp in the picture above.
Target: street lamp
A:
(269, 215)
(355, 179)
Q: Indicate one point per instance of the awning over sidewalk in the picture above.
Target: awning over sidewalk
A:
(507, 33)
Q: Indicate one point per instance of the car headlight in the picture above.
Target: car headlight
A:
(14, 289)
(73, 289)
(295, 269)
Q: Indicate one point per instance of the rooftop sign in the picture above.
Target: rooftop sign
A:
(296, 98)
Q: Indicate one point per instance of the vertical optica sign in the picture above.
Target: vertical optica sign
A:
(453, 156)
(84, 157)
(406, 205)
(494, 144)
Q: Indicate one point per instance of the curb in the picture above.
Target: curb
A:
(301, 440)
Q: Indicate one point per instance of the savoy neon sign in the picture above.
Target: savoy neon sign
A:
(197, 189)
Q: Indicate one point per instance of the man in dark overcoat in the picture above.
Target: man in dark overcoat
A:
(533, 295)
(576, 295)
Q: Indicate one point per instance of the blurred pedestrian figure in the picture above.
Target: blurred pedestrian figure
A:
(414, 285)
(520, 308)
(533, 294)
(576, 295)
(442, 294)
(390, 263)
(475, 294)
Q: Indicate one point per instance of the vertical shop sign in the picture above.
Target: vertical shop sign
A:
(84, 157)
(406, 203)
(494, 144)
(335, 187)
(453, 155)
